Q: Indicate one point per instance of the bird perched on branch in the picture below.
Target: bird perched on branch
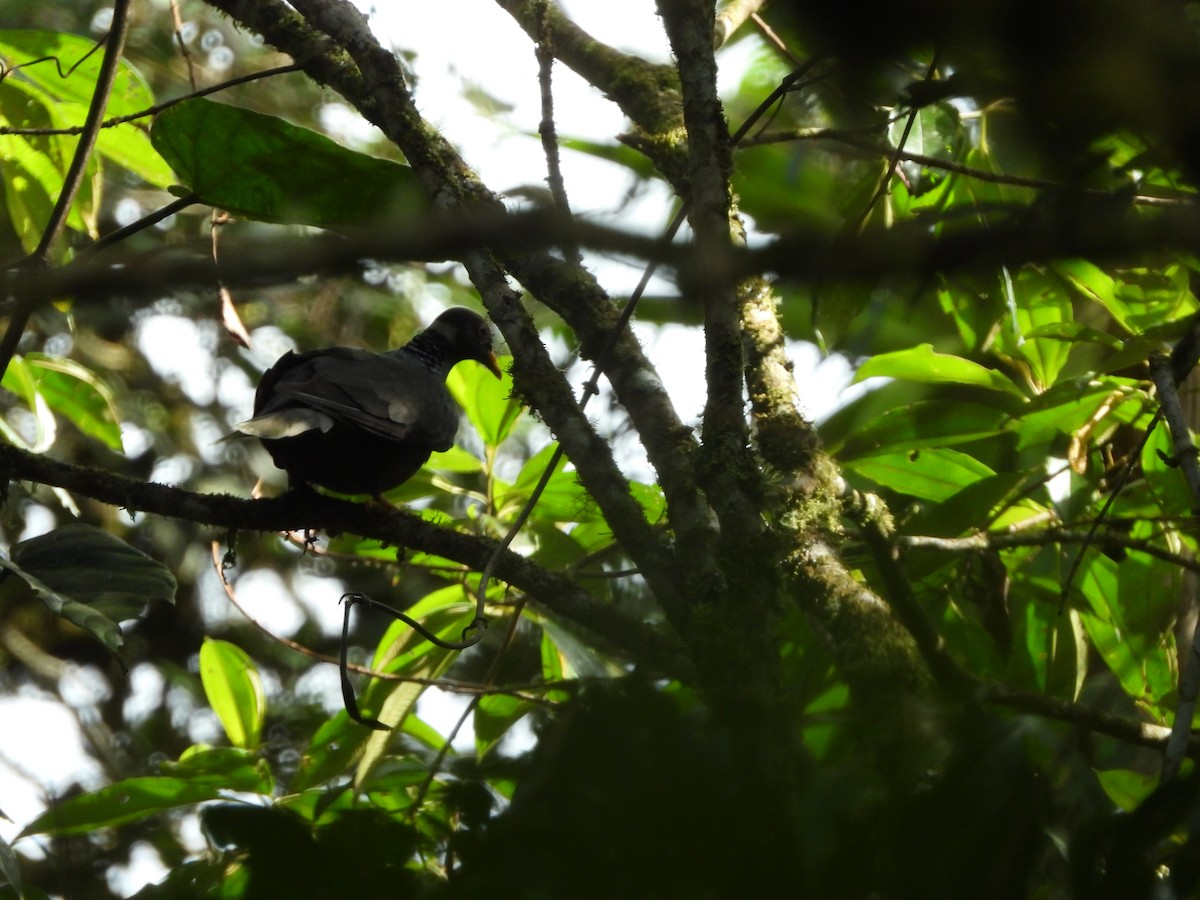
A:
(359, 422)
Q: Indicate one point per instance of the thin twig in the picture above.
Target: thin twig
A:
(146, 221)
(183, 50)
(158, 107)
(105, 79)
(854, 138)
(1056, 535)
(544, 49)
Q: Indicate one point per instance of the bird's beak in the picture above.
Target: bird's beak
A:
(493, 364)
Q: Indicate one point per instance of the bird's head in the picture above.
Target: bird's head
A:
(468, 336)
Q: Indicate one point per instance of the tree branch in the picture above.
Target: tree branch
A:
(309, 510)
(727, 465)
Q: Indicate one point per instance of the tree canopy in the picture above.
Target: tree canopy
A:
(939, 643)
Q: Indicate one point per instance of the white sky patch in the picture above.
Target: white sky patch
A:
(176, 350)
(41, 756)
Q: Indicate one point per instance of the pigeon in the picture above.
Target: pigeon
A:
(358, 422)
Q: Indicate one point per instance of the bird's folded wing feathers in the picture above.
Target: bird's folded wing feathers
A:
(283, 423)
(392, 398)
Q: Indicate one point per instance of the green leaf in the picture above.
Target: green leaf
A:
(1126, 788)
(90, 577)
(923, 364)
(261, 167)
(79, 61)
(330, 751)
(445, 612)
(1068, 406)
(563, 500)
(970, 508)
(128, 145)
(926, 423)
(487, 400)
(78, 393)
(34, 165)
(1041, 302)
(19, 378)
(220, 762)
(934, 474)
(234, 690)
(137, 798)
(495, 714)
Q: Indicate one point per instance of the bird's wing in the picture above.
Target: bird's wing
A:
(395, 398)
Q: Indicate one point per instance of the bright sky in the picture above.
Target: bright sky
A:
(40, 745)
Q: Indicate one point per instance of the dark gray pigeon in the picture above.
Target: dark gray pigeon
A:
(358, 422)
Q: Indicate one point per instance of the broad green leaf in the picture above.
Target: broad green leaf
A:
(820, 717)
(21, 379)
(1074, 332)
(621, 154)
(330, 752)
(1033, 619)
(78, 393)
(420, 730)
(234, 690)
(1142, 299)
(487, 400)
(974, 310)
(73, 79)
(34, 165)
(926, 423)
(934, 474)
(90, 577)
(398, 701)
(1068, 656)
(1126, 788)
(1041, 302)
(563, 500)
(456, 459)
(554, 665)
(1067, 407)
(579, 658)
(128, 145)
(971, 508)
(137, 798)
(224, 762)
(923, 364)
(494, 715)
(445, 612)
(261, 167)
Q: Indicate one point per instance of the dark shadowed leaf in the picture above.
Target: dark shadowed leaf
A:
(91, 577)
(262, 167)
